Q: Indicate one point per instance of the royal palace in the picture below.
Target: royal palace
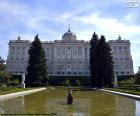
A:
(69, 56)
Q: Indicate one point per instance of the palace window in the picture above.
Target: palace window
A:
(69, 66)
(11, 58)
(22, 58)
(127, 58)
(17, 58)
(51, 72)
(69, 47)
(79, 47)
(13, 50)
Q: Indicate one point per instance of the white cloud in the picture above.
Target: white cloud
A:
(13, 8)
(111, 26)
(130, 18)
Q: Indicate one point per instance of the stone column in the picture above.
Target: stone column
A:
(77, 55)
(83, 52)
(15, 53)
(20, 52)
(55, 53)
(88, 53)
(10, 53)
(26, 53)
(65, 52)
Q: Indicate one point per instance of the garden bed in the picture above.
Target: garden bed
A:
(126, 90)
(7, 90)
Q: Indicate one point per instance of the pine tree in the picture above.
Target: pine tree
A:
(105, 64)
(37, 69)
(93, 59)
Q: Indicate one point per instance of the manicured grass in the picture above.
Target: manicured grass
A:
(7, 90)
(134, 92)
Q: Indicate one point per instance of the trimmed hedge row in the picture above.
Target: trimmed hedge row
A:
(125, 77)
(130, 87)
(59, 80)
(134, 92)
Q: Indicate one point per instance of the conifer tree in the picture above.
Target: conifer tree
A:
(105, 64)
(37, 69)
(93, 59)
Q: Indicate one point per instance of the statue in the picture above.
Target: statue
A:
(115, 81)
(69, 98)
(23, 81)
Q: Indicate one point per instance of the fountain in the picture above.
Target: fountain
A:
(69, 97)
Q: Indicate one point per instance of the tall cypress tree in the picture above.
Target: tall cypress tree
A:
(37, 69)
(105, 64)
(93, 59)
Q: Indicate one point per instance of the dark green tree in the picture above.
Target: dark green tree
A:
(105, 65)
(93, 59)
(4, 76)
(37, 69)
(137, 77)
(2, 65)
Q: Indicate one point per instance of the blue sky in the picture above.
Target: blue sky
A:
(50, 19)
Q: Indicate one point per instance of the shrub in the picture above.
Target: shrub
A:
(78, 83)
(137, 78)
(66, 83)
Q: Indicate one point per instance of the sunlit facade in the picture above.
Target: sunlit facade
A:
(69, 56)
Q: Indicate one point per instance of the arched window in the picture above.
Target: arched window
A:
(122, 72)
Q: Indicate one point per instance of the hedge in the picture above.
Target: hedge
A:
(59, 80)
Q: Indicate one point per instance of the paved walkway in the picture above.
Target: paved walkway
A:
(17, 94)
(124, 94)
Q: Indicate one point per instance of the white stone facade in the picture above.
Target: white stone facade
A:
(123, 63)
(68, 57)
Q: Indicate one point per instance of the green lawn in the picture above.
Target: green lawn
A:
(133, 91)
(7, 90)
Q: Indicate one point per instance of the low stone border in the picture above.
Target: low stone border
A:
(17, 94)
(123, 94)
